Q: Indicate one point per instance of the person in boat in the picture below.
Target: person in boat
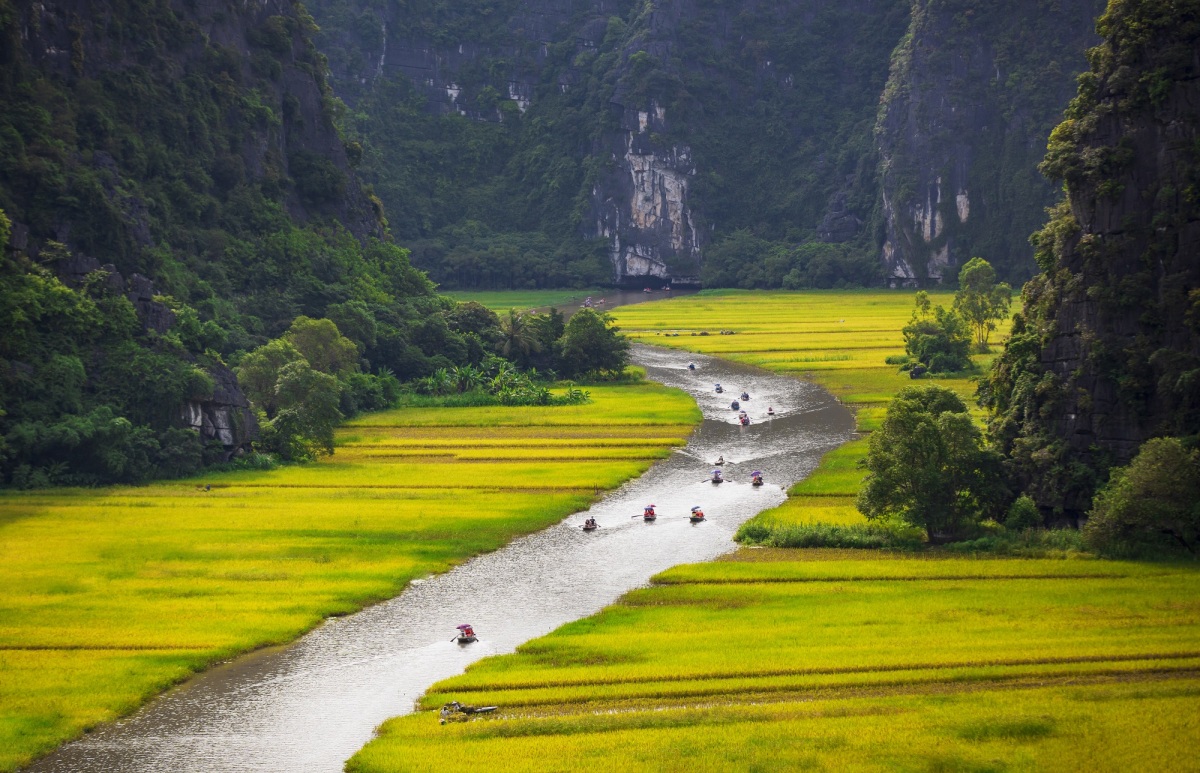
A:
(590, 523)
(720, 460)
(770, 411)
(716, 476)
(745, 395)
(735, 405)
(466, 632)
(756, 478)
(691, 366)
(648, 511)
(697, 512)
(718, 388)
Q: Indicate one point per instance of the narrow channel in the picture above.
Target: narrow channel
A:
(310, 705)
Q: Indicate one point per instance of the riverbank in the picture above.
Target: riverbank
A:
(108, 596)
(836, 660)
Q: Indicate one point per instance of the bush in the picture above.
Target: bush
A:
(1030, 543)
(1023, 514)
(823, 535)
(936, 338)
(1151, 505)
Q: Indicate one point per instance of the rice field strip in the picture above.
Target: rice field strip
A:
(586, 708)
(783, 672)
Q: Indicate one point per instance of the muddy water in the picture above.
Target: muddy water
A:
(309, 706)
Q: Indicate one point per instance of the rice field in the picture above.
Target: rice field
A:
(108, 596)
(838, 339)
(836, 659)
(842, 660)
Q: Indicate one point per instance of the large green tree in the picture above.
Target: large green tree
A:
(590, 344)
(928, 467)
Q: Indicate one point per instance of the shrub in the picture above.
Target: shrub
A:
(1153, 504)
(1023, 514)
(823, 535)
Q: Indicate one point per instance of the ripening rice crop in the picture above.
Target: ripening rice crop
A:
(868, 662)
(840, 340)
(108, 596)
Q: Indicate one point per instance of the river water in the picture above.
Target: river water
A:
(310, 705)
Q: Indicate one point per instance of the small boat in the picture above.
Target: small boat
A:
(691, 366)
(466, 634)
(649, 517)
(756, 478)
(770, 411)
(745, 395)
(743, 418)
(735, 406)
(590, 525)
(697, 515)
(716, 477)
(718, 388)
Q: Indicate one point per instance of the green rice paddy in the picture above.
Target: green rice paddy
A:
(816, 659)
(840, 340)
(108, 596)
(836, 659)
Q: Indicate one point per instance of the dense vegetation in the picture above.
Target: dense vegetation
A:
(501, 196)
(1106, 352)
(208, 162)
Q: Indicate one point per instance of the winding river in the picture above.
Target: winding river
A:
(310, 705)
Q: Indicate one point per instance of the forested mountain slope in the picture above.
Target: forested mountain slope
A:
(176, 192)
(799, 143)
(1107, 353)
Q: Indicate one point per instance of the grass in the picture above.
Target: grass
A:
(109, 596)
(522, 300)
(874, 661)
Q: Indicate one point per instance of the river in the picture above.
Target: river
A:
(310, 705)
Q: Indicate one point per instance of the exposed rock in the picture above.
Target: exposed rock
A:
(972, 96)
(839, 223)
(225, 417)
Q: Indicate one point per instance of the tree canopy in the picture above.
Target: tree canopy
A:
(927, 465)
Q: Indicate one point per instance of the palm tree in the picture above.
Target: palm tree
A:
(519, 336)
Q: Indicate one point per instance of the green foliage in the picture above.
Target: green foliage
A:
(591, 344)
(937, 339)
(927, 467)
(498, 197)
(824, 535)
(980, 300)
(1023, 514)
(1153, 504)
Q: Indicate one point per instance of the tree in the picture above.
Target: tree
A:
(1153, 502)
(308, 412)
(323, 345)
(589, 344)
(518, 335)
(980, 301)
(927, 465)
(936, 338)
(258, 374)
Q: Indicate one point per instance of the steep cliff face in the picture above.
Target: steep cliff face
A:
(973, 93)
(652, 129)
(1109, 352)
